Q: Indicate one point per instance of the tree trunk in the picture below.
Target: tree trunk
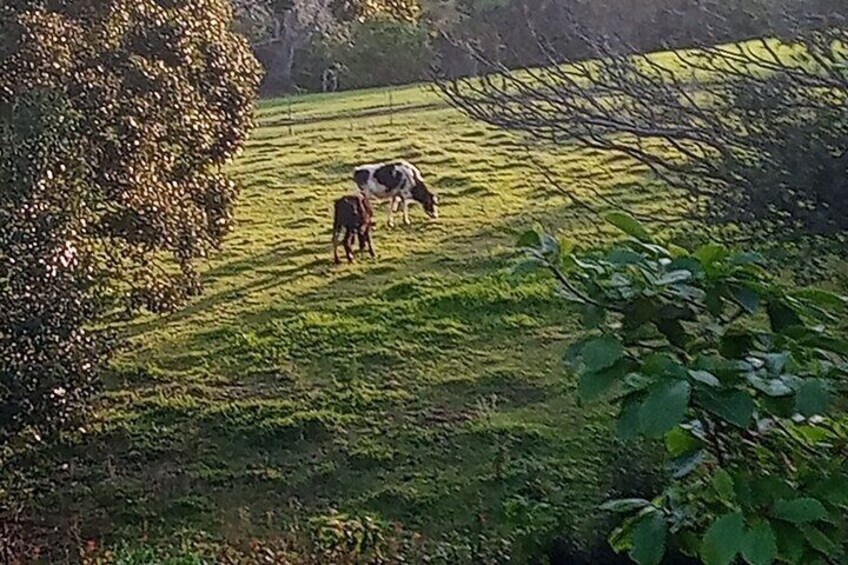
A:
(278, 57)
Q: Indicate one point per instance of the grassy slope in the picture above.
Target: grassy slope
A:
(423, 387)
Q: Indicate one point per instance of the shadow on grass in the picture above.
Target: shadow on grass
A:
(425, 398)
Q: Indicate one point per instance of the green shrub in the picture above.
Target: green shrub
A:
(739, 378)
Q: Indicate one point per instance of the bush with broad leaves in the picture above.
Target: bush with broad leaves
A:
(736, 374)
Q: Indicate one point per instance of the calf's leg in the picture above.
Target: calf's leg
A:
(336, 244)
(348, 244)
(365, 239)
(360, 236)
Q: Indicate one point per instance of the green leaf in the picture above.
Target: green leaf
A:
(723, 540)
(742, 487)
(551, 249)
(679, 442)
(782, 407)
(746, 297)
(665, 407)
(593, 316)
(705, 377)
(674, 331)
(627, 425)
(775, 388)
(782, 317)
(790, 542)
(588, 265)
(827, 343)
(530, 239)
(736, 344)
(730, 371)
(834, 490)
(799, 510)
(736, 408)
(686, 263)
(601, 353)
(662, 365)
(625, 505)
(649, 537)
(821, 297)
(812, 398)
(623, 256)
(629, 225)
(714, 302)
(759, 547)
(682, 466)
(571, 357)
(675, 277)
(710, 253)
(776, 362)
(594, 385)
(620, 538)
(723, 485)
(818, 540)
(767, 489)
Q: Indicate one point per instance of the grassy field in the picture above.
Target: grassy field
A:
(424, 387)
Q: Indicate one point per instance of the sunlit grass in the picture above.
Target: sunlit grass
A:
(423, 387)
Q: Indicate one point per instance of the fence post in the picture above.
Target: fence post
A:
(391, 109)
(290, 117)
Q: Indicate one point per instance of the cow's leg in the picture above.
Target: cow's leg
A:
(348, 244)
(391, 209)
(405, 211)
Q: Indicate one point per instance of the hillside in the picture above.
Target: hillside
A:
(424, 387)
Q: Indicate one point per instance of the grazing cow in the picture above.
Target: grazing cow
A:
(354, 216)
(400, 183)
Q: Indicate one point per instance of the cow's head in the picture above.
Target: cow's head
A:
(428, 200)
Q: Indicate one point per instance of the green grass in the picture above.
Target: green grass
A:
(423, 387)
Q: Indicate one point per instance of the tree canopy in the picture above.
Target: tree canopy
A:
(116, 116)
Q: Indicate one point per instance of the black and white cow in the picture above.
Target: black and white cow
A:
(400, 183)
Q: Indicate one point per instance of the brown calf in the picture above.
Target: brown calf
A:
(354, 216)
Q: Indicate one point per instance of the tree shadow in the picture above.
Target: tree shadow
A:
(427, 421)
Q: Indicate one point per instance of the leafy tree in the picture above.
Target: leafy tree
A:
(385, 52)
(115, 116)
(280, 29)
(753, 135)
(735, 374)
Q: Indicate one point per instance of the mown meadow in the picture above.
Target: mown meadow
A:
(425, 387)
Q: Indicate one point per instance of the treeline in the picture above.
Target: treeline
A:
(315, 45)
